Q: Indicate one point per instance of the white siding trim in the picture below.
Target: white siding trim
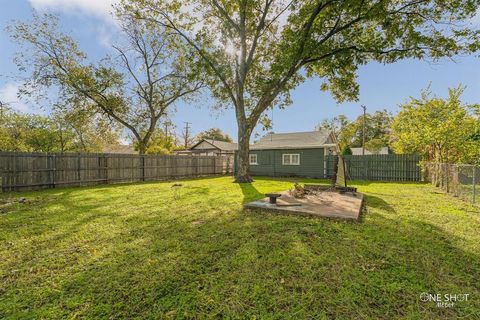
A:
(290, 159)
(253, 159)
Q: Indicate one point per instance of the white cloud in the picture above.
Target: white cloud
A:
(99, 8)
(105, 35)
(8, 95)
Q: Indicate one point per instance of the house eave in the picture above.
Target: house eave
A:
(293, 147)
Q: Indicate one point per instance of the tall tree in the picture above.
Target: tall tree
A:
(254, 52)
(84, 130)
(159, 144)
(214, 134)
(13, 130)
(135, 88)
(58, 132)
(339, 125)
(349, 133)
(442, 130)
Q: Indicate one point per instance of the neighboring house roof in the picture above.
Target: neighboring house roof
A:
(220, 145)
(358, 151)
(119, 148)
(294, 140)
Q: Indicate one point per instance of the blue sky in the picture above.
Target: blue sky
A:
(381, 86)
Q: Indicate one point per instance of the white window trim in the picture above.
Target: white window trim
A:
(290, 157)
(250, 159)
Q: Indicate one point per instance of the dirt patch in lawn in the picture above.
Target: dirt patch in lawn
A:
(325, 204)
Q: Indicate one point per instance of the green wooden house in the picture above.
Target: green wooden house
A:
(302, 154)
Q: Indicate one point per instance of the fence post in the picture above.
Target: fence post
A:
(367, 167)
(53, 169)
(195, 166)
(447, 170)
(474, 183)
(105, 164)
(143, 167)
(79, 173)
(14, 180)
(365, 170)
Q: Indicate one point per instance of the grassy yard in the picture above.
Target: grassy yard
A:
(153, 251)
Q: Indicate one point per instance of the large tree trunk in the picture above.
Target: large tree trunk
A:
(243, 166)
(142, 147)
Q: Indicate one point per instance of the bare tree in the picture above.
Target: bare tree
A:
(134, 88)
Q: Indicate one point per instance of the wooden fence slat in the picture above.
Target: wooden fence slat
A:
(32, 171)
(385, 167)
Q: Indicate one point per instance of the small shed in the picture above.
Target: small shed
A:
(209, 147)
(302, 154)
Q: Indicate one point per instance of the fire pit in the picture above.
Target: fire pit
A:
(273, 197)
(324, 202)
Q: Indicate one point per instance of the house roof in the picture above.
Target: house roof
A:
(294, 140)
(358, 151)
(221, 145)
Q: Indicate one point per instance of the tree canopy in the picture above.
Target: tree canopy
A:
(350, 133)
(443, 130)
(136, 87)
(159, 143)
(252, 53)
(59, 132)
(214, 134)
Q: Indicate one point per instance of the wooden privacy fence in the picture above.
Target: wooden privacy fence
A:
(380, 167)
(31, 171)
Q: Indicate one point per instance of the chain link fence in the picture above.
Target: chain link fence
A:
(461, 180)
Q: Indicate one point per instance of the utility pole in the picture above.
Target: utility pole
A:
(166, 129)
(363, 130)
(3, 108)
(187, 126)
(167, 125)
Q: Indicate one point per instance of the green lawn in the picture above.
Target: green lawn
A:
(153, 251)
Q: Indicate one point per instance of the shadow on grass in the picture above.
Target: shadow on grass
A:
(112, 185)
(235, 265)
(227, 268)
(356, 183)
(377, 202)
(250, 193)
(292, 179)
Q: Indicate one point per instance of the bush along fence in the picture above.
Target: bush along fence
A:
(32, 171)
(380, 167)
(461, 180)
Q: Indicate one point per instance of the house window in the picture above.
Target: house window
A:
(253, 159)
(291, 159)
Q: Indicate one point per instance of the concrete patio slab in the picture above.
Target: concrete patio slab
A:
(324, 204)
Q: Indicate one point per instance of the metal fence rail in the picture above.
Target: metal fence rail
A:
(380, 167)
(461, 180)
(31, 171)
